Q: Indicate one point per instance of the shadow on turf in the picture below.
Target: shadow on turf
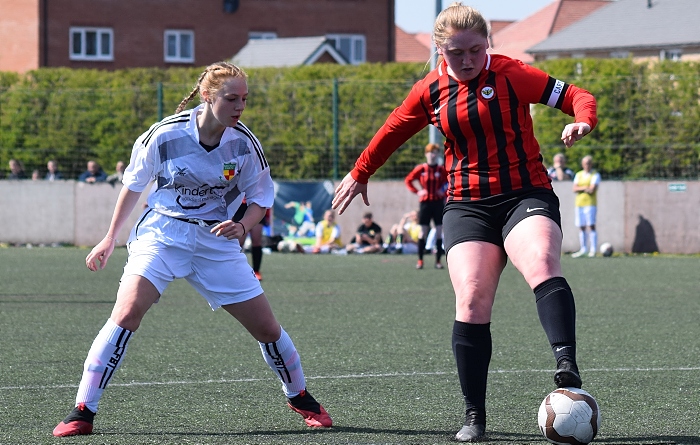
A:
(647, 440)
(437, 435)
(333, 430)
(491, 436)
(29, 299)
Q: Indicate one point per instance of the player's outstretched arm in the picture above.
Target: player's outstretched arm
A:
(101, 252)
(346, 192)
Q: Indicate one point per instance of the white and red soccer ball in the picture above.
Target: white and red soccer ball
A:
(569, 416)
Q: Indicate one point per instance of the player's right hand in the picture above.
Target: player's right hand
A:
(100, 254)
(346, 192)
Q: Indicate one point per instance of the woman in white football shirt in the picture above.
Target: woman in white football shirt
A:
(203, 162)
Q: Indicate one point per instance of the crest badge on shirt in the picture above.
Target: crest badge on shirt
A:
(229, 171)
(488, 92)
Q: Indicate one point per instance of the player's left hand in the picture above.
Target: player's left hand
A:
(574, 132)
(229, 229)
(346, 192)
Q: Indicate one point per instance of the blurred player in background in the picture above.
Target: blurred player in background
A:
(500, 202)
(586, 184)
(256, 238)
(327, 235)
(432, 178)
(405, 235)
(203, 160)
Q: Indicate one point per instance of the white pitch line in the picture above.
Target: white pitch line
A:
(346, 376)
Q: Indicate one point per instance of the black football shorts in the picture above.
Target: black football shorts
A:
(431, 210)
(491, 219)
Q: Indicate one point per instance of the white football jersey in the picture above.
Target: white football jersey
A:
(189, 181)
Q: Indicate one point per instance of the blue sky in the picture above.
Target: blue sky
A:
(418, 15)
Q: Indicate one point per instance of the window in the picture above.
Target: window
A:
(179, 46)
(260, 35)
(91, 44)
(671, 54)
(231, 6)
(619, 54)
(351, 46)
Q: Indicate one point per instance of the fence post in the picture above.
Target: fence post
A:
(160, 101)
(336, 153)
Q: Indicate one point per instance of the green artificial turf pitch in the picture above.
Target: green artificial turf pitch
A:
(374, 335)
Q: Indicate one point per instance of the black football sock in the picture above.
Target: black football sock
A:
(471, 345)
(421, 248)
(557, 312)
(256, 253)
(438, 250)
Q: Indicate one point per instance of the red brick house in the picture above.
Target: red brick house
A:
(108, 34)
(515, 39)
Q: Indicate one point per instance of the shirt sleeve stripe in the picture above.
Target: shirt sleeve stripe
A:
(182, 117)
(256, 144)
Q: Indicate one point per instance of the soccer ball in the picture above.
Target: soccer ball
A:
(606, 249)
(286, 246)
(569, 416)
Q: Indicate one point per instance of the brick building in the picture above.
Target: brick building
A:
(108, 34)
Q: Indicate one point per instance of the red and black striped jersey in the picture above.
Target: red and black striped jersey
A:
(490, 146)
(432, 178)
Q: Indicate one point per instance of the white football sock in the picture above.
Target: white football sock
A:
(103, 360)
(582, 240)
(593, 239)
(282, 357)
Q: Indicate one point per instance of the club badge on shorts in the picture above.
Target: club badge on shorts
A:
(229, 171)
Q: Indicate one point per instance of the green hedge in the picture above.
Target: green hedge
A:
(648, 115)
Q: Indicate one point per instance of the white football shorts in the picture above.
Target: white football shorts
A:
(585, 216)
(162, 249)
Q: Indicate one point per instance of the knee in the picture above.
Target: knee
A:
(473, 304)
(127, 319)
(474, 309)
(544, 264)
(268, 333)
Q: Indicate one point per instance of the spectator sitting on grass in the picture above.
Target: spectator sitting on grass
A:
(368, 238)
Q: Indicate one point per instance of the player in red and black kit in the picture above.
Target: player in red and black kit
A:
(500, 202)
(256, 237)
(432, 179)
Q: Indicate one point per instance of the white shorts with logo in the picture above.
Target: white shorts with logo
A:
(585, 216)
(162, 249)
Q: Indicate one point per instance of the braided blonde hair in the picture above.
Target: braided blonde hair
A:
(211, 81)
(458, 17)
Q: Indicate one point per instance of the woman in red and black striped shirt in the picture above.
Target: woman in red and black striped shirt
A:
(500, 202)
(432, 178)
